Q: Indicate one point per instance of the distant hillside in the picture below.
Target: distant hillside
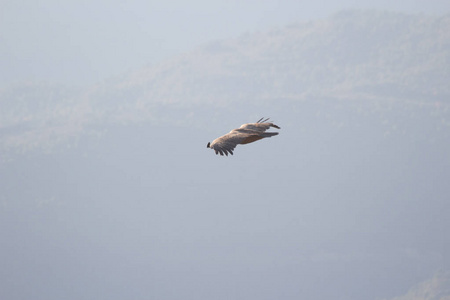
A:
(350, 55)
(436, 288)
(369, 60)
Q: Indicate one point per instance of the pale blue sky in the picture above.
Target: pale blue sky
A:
(81, 42)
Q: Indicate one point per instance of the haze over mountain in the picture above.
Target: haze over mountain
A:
(109, 191)
(436, 288)
(82, 42)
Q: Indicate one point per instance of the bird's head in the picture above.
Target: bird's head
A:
(208, 146)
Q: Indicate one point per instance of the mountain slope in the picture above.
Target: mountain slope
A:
(369, 61)
(352, 54)
(436, 288)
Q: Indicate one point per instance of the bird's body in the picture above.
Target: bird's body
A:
(247, 133)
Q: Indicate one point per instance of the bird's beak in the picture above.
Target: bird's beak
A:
(207, 146)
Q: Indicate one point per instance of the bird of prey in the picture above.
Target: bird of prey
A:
(245, 134)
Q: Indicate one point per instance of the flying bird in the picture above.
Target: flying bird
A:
(247, 133)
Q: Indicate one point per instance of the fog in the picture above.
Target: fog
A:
(107, 189)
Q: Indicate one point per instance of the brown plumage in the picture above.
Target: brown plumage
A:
(247, 133)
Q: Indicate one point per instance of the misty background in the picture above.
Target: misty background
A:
(107, 189)
(83, 42)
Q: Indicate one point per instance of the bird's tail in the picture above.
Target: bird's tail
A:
(262, 120)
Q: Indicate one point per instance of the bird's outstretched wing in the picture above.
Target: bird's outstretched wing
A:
(226, 143)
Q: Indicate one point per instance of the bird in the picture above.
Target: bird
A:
(247, 133)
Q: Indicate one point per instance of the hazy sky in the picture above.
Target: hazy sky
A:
(349, 202)
(81, 42)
